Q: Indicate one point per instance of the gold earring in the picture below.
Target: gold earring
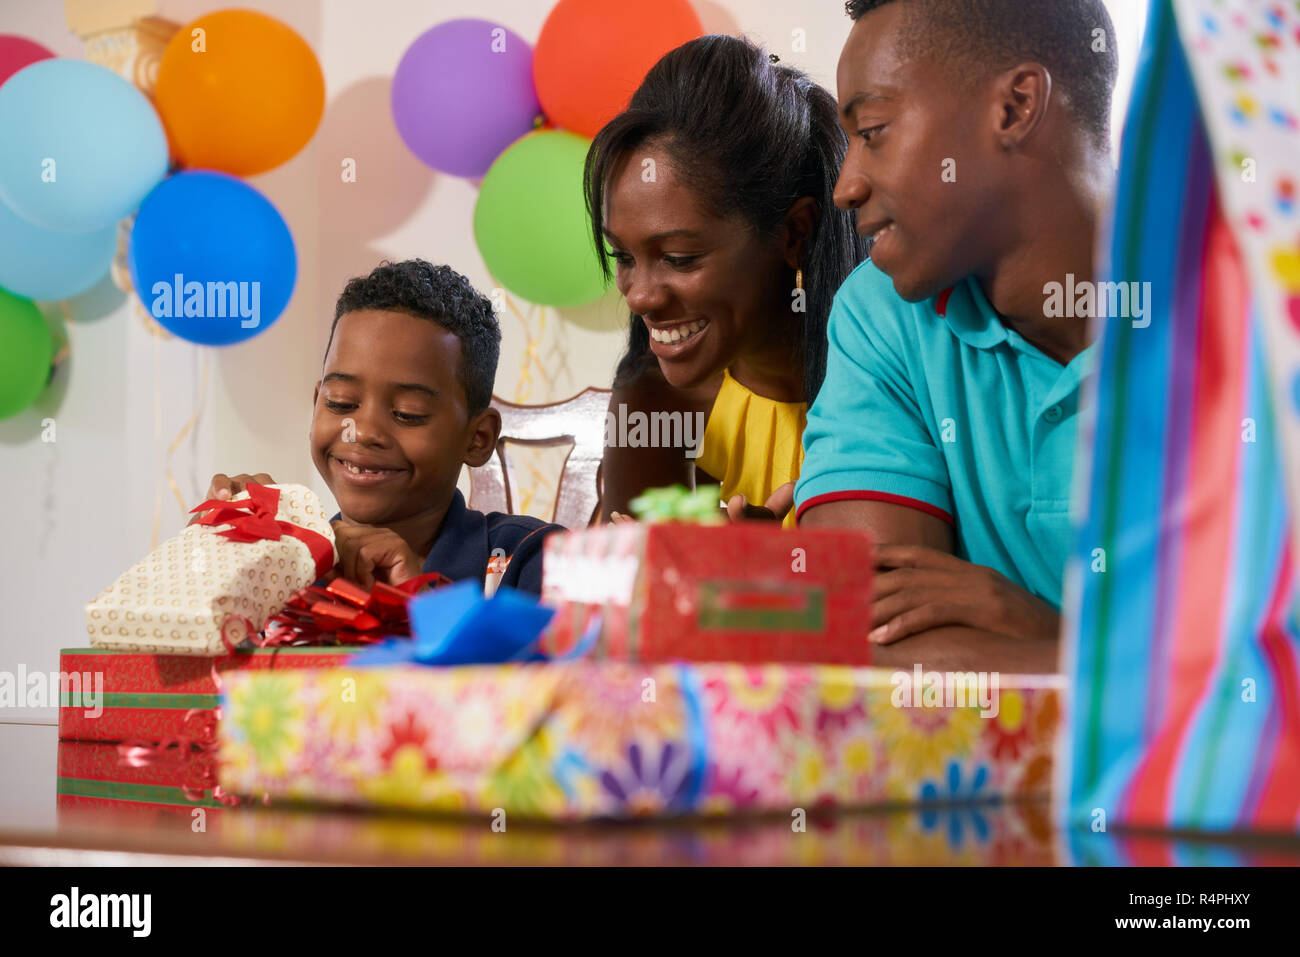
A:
(798, 279)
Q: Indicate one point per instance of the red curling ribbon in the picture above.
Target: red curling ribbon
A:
(253, 519)
(342, 612)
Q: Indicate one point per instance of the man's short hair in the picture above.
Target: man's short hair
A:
(1074, 39)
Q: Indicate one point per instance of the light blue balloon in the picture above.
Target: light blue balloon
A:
(82, 146)
(38, 264)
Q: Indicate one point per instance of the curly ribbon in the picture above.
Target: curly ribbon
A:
(193, 752)
(253, 519)
(345, 613)
(677, 503)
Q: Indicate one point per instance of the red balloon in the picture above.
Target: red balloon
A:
(593, 54)
(17, 52)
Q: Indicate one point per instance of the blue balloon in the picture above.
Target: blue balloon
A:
(211, 258)
(38, 264)
(82, 146)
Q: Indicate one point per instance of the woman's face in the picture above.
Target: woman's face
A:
(708, 289)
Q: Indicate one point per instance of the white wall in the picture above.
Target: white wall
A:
(80, 509)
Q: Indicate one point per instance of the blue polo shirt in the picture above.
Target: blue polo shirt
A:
(467, 540)
(938, 406)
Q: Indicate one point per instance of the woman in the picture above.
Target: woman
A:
(712, 195)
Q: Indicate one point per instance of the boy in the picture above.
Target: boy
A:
(979, 169)
(402, 404)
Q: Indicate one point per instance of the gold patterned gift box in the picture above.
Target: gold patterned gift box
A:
(233, 573)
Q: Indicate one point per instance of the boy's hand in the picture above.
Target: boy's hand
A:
(773, 510)
(226, 487)
(370, 554)
(918, 589)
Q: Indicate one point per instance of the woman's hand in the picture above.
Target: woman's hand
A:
(225, 487)
(918, 589)
(367, 555)
(775, 508)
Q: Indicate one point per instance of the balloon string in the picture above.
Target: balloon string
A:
(190, 423)
(157, 434)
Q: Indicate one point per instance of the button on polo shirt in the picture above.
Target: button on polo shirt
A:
(940, 407)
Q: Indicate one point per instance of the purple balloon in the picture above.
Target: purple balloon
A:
(463, 93)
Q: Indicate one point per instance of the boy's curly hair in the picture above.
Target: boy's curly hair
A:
(441, 295)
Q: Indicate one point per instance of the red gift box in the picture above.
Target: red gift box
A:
(748, 592)
(154, 697)
(94, 774)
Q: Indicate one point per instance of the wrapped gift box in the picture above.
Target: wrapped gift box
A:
(606, 739)
(119, 696)
(93, 774)
(178, 599)
(676, 591)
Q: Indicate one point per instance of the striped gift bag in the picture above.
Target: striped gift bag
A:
(1181, 635)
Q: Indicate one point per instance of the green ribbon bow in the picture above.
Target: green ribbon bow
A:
(677, 503)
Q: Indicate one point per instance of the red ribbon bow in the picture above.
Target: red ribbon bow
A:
(253, 519)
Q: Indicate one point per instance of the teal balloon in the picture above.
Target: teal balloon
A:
(26, 352)
(82, 146)
(531, 225)
(38, 264)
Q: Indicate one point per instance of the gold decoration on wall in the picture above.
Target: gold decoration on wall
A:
(537, 383)
(126, 36)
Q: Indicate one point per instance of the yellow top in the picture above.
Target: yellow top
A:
(752, 444)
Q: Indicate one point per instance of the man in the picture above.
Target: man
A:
(979, 167)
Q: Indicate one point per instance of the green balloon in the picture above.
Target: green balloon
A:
(26, 351)
(531, 222)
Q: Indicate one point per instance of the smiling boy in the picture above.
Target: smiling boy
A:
(978, 169)
(402, 405)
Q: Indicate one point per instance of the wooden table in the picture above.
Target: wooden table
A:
(40, 826)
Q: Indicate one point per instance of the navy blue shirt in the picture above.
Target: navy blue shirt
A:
(467, 540)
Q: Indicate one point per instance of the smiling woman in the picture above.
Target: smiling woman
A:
(711, 204)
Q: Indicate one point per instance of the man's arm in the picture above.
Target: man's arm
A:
(954, 616)
(888, 524)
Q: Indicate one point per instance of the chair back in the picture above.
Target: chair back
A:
(579, 421)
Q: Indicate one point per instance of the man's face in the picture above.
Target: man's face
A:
(918, 168)
(707, 288)
(390, 426)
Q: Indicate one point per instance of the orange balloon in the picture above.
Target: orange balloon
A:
(593, 54)
(242, 97)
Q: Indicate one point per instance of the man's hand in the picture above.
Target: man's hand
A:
(918, 589)
(225, 487)
(370, 554)
(774, 509)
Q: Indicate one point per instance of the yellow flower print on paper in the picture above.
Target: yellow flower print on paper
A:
(350, 701)
(918, 743)
(270, 719)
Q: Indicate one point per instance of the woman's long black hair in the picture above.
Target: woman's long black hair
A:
(749, 137)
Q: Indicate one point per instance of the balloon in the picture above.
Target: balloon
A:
(531, 225)
(463, 93)
(247, 101)
(211, 258)
(38, 264)
(26, 351)
(82, 146)
(592, 55)
(17, 52)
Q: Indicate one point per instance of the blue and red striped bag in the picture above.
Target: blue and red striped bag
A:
(1182, 639)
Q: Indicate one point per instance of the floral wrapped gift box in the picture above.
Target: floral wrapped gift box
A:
(607, 739)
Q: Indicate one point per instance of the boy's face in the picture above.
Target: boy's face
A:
(922, 168)
(689, 275)
(391, 426)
